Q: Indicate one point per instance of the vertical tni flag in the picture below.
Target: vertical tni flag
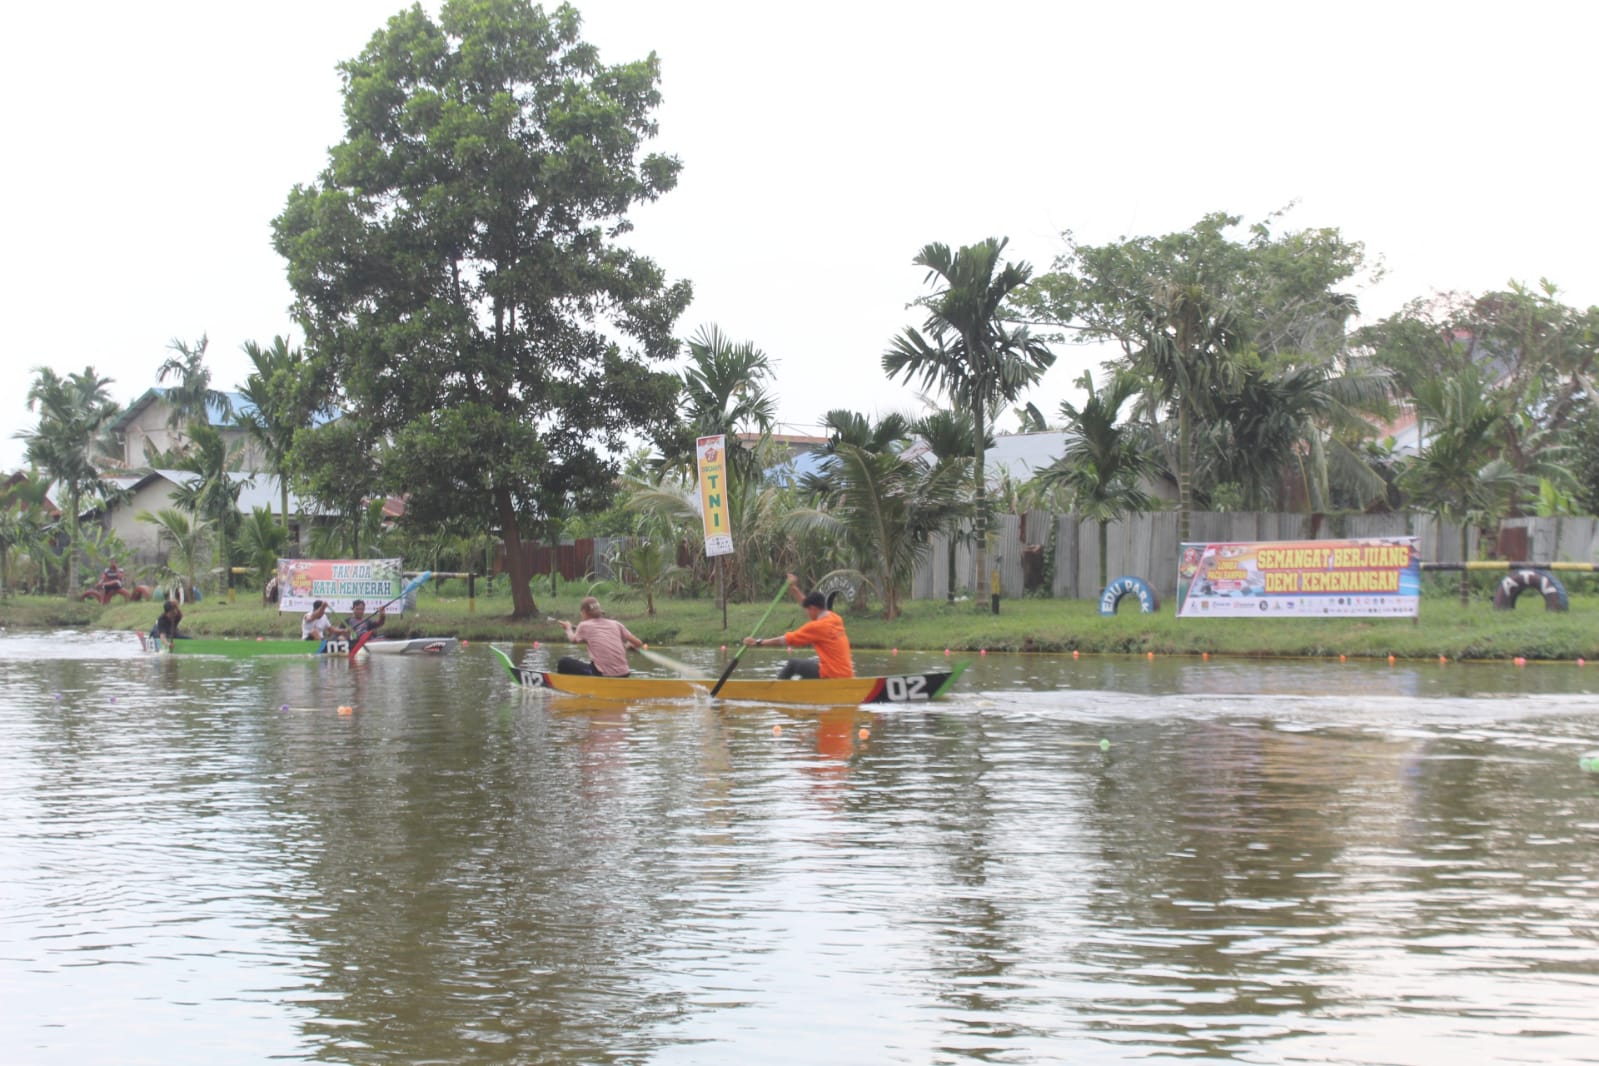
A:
(712, 454)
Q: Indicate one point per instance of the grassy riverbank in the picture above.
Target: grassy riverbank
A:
(1445, 628)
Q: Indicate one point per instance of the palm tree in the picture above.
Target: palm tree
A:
(1458, 474)
(278, 394)
(1103, 464)
(213, 494)
(192, 398)
(189, 541)
(966, 349)
(261, 542)
(1188, 354)
(887, 510)
(950, 439)
(71, 440)
(725, 391)
(1309, 417)
(21, 520)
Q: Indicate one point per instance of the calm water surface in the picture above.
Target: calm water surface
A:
(205, 861)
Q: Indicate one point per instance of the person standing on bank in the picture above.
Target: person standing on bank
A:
(608, 641)
(824, 632)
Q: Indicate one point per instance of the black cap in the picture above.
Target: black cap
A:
(814, 599)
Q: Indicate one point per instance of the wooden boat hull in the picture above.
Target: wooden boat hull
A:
(897, 688)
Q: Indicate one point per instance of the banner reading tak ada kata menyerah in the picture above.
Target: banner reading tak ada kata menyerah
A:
(340, 582)
(1376, 578)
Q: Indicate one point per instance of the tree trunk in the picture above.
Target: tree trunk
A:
(1104, 553)
(1465, 575)
(1185, 477)
(523, 606)
(980, 547)
(953, 535)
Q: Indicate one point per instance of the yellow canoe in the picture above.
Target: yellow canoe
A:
(836, 691)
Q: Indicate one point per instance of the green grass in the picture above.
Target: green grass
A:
(1444, 628)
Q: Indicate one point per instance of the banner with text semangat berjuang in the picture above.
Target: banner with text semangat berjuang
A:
(1372, 578)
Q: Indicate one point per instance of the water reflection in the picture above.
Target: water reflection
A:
(210, 861)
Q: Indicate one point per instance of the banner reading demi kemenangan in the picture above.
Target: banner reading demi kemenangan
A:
(1377, 578)
(339, 581)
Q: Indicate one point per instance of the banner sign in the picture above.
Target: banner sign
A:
(340, 582)
(712, 453)
(1380, 578)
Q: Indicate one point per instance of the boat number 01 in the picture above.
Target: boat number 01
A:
(905, 689)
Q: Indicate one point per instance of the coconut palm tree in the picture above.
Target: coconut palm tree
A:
(1104, 463)
(887, 511)
(71, 441)
(966, 348)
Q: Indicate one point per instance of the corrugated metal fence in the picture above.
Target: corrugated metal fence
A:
(1145, 545)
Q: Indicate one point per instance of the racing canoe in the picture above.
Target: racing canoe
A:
(242, 647)
(245, 647)
(409, 646)
(827, 692)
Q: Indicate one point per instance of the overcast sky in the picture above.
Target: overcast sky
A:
(823, 145)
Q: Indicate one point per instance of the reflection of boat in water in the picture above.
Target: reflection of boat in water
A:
(835, 691)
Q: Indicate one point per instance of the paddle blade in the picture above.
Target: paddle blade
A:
(360, 642)
(681, 669)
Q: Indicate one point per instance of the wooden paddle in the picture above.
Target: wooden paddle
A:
(410, 586)
(770, 608)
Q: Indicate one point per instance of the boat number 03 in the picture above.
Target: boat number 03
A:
(335, 647)
(905, 689)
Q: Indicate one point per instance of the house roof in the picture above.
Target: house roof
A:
(214, 413)
(241, 405)
(256, 490)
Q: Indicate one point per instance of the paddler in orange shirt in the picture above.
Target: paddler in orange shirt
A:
(824, 632)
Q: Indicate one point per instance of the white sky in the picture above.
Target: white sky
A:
(823, 144)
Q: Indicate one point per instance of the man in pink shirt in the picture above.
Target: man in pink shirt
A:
(607, 639)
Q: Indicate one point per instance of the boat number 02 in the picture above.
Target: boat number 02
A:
(905, 689)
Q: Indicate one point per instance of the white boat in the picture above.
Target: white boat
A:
(410, 646)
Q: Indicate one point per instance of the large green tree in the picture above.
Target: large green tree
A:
(460, 279)
(970, 348)
(1193, 311)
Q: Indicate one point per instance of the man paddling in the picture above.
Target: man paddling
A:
(824, 632)
(608, 641)
(360, 622)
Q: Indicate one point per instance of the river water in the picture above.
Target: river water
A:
(1102, 860)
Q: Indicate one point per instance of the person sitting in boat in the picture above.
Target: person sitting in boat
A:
(824, 632)
(608, 641)
(316, 625)
(360, 622)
